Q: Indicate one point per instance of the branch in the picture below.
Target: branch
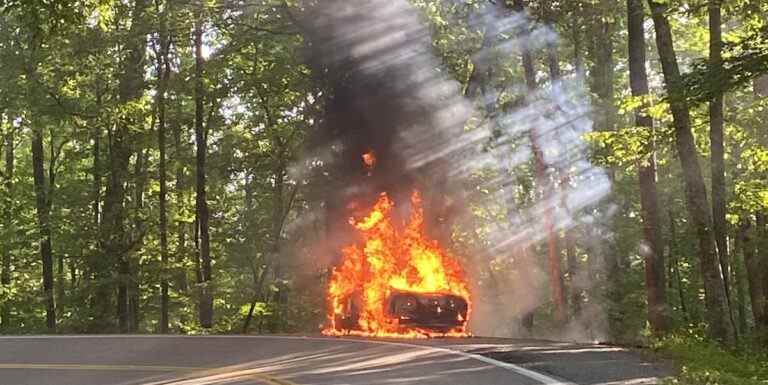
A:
(52, 168)
(289, 206)
(61, 104)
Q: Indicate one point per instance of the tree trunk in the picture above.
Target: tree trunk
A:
(600, 49)
(96, 134)
(717, 149)
(251, 250)
(114, 245)
(573, 272)
(181, 226)
(553, 61)
(60, 279)
(249, 317)
(41, 190)
(762, 262)
(96, 153)
(5, 277)
(554, 268)
(43, 224)
(602, 72)
(652, 249)
(740, 278)
(719, 323)
(206, 295)
(754, 278)
(577, 40)
(675, 258)
(163, 73)
(141, 174)
(278, 218)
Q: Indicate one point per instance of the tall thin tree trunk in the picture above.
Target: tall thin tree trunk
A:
(5, 277)
(652, 249)
(43, 224)
(762, 261)
(181, 226)
(553, 64)
(717, 149)
(740, 279)
(163, 72)
(114, 248)
(602, 76)
(201, 137)
(578, 39)
(574, 273)
(40, 188)
(96, 154)
(738, 257)
(554, 264)
(141, 174)
(96, 133)
(601, 32)
(61, 280)
(553, 61)
(754, 278)
(719, 323)
(124, 273)
(250, 247)
(675, 258)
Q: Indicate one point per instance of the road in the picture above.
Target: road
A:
(290, 360)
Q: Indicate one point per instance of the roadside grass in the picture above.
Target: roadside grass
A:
(702, 362)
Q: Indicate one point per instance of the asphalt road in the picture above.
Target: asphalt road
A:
(151, 360)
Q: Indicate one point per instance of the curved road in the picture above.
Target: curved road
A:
(176, 360)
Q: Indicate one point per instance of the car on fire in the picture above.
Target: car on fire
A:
(424, 312)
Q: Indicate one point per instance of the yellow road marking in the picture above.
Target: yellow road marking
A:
(217, 373)
(140, 368)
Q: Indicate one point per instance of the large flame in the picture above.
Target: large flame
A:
(391, 258)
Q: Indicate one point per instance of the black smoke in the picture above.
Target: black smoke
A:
(386, 93)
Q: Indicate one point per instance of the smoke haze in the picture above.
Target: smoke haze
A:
(390, 94)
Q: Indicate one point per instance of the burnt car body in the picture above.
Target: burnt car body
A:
(432, 312)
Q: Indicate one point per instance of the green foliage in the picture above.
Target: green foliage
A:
(744, 61)
(704, 363)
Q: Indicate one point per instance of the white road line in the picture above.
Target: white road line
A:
(543, 378)
(536, 376)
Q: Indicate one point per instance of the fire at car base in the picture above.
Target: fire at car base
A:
(397, 282)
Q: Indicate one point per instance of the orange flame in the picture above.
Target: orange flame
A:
(390, 259)
(369, 159)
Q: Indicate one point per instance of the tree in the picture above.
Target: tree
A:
(8, 174)
(717, 148)
(42, 189)
(753, 270)
(557, 291)
(163, 69)
(761, 267)
(114, 240)
(201, 203)
(652, 248)
(719, 324)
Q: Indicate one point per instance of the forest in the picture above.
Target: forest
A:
(178, 166)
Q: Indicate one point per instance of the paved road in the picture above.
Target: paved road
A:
(151, 360)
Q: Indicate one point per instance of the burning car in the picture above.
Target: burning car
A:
(397, 281)
(407, 311)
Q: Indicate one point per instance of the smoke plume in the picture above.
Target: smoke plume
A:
(389, 94)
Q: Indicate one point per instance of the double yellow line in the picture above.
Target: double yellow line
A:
(196, 373)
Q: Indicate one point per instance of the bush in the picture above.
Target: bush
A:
(703, 362)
